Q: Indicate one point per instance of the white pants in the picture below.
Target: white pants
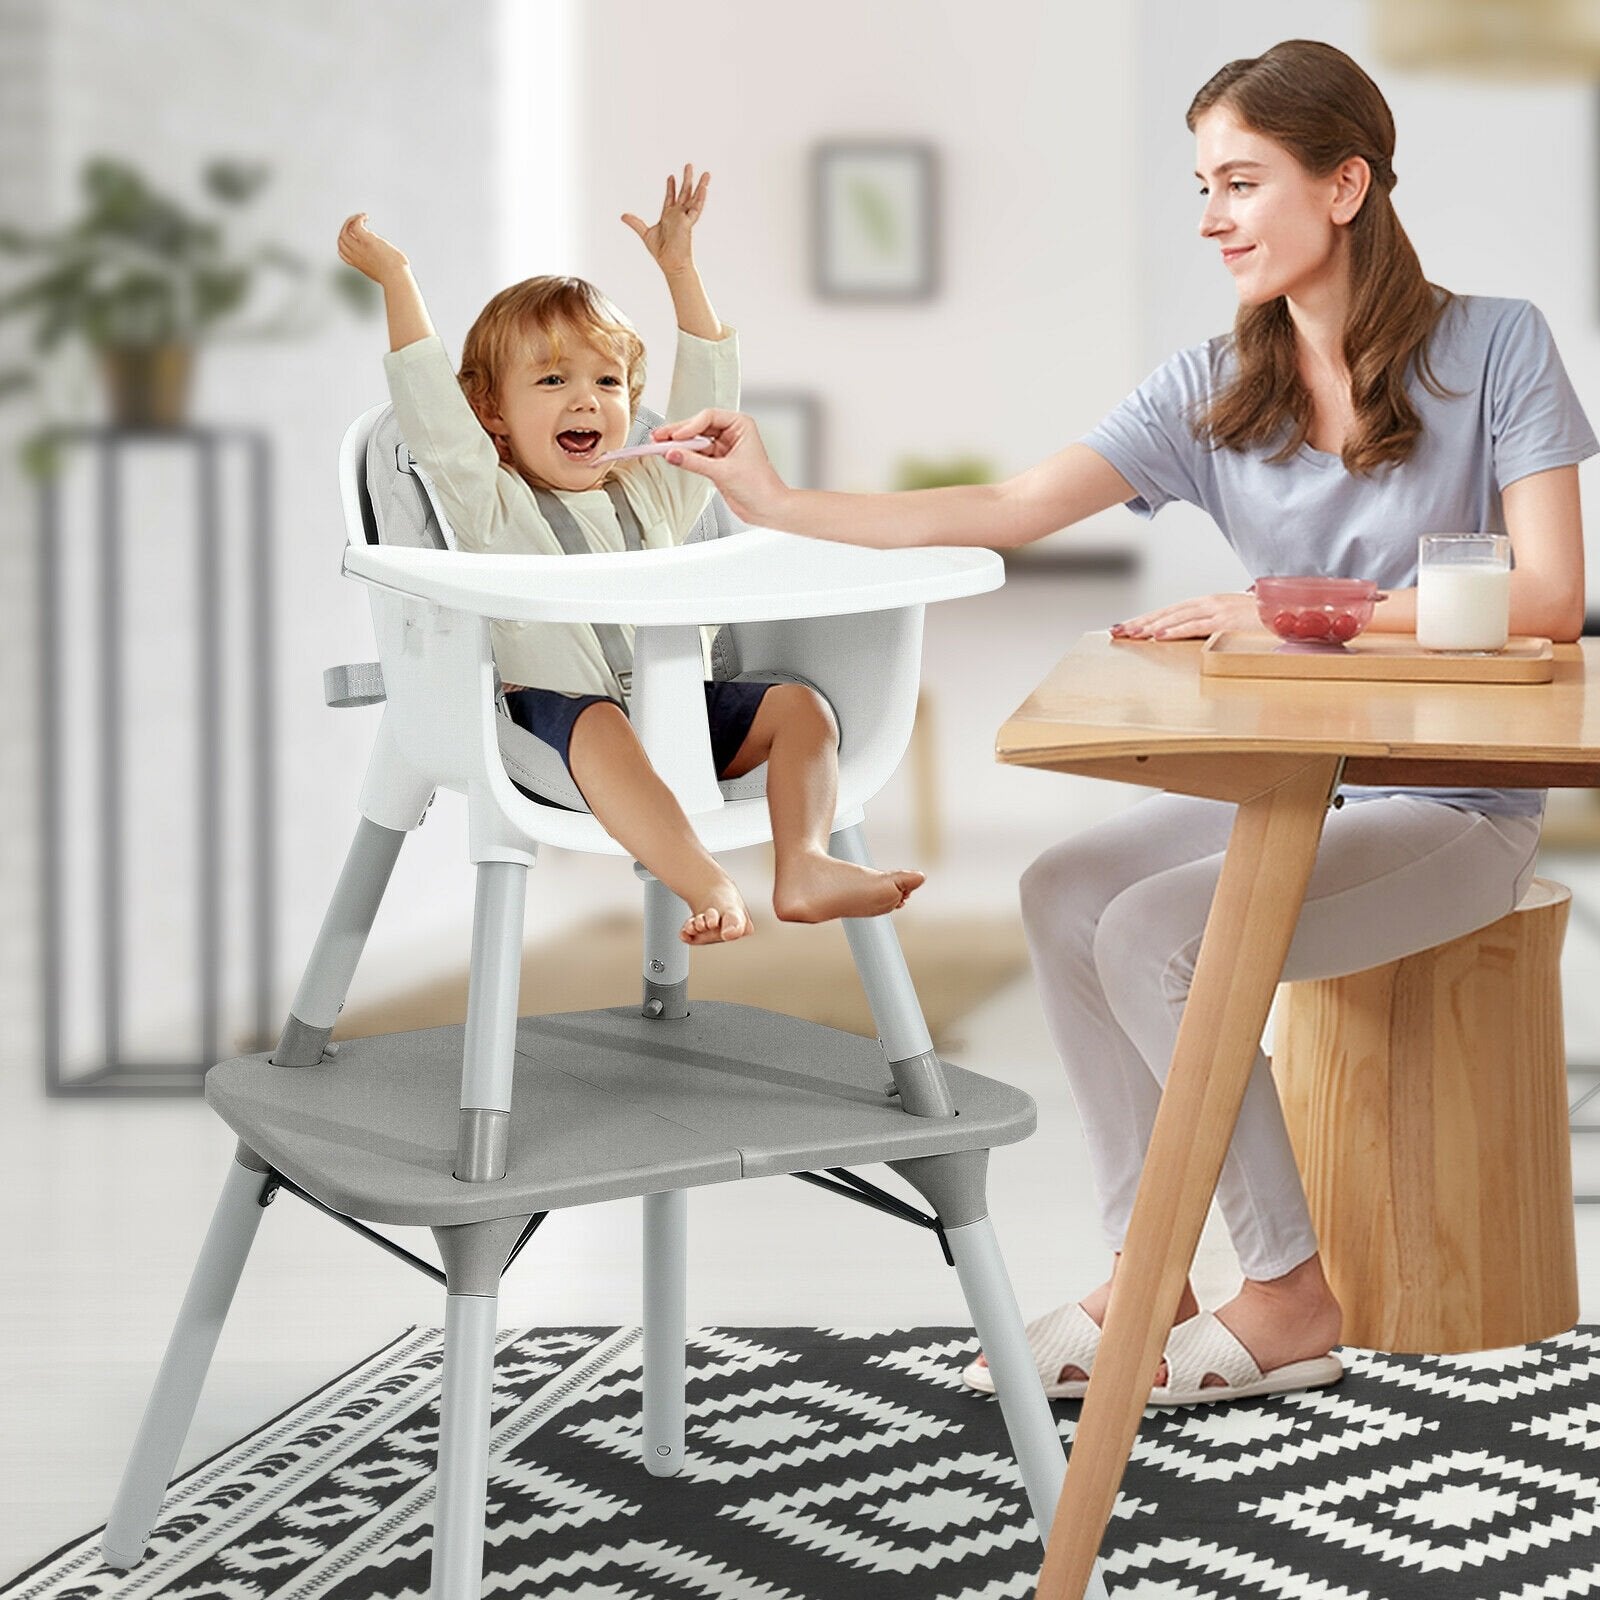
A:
(1114, 918)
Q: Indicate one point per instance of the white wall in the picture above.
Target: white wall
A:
(1031, 336)
(24, 165)
(1497, 191)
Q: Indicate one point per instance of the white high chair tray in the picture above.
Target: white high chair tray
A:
(757, 575)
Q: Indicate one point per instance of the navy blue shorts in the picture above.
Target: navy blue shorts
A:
(550, 715)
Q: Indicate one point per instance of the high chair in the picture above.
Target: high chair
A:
(650, 1101)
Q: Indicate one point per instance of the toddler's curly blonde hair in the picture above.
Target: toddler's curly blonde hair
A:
(546, 307)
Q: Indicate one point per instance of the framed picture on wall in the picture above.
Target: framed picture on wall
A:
(790, 421)
(875, 220)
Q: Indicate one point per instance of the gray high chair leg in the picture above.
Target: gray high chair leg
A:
(666, 1216)
(954, 1186)
(462, 1487)
(666, 956)
(895, 1008)
(489, 1056)
(474, 1257)
(343, 936)
(183, 1369)
(666, 1237)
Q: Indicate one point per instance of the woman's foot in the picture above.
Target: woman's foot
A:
(1281, 1320)
(1094, 1305)
(816, 887)
(722, 917)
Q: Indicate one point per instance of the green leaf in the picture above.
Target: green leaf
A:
(280, 256)
(236, 181)
(49, 333)
(164, 229)
(41, 455)
(111, 186)
(216, 293)
(16, 241)
(359, 293)
(141, 308)
(49, 289)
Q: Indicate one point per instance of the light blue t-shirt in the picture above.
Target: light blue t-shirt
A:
(1511, 412)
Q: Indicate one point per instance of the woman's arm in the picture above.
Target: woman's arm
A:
(1545, 522)
(1067, 487)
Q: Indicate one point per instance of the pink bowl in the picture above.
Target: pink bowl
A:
(1315, 610)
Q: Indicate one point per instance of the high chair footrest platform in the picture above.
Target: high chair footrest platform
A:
(612, 1104)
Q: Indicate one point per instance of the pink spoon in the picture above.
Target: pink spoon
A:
(656, 448)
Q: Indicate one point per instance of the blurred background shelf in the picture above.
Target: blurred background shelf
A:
(158, 862)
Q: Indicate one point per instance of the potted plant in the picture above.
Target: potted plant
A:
(139, 281)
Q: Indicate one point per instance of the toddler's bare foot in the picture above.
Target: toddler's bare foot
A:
(723, 919)
(817, 888)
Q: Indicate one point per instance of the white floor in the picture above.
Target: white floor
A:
(103, 1204)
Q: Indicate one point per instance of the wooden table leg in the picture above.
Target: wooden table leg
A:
(1270, 854)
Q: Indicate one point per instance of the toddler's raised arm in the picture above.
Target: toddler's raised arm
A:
(670, 243)
(705, 371)
(374, 257)
(438, 425)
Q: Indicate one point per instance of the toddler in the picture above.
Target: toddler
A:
(551, 375)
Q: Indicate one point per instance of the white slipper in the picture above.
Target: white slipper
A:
(1203, 1344)
(1065, 1337)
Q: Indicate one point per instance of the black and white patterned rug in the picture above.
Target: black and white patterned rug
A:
(830, 1464)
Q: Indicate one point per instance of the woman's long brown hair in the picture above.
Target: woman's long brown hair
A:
(1317, 103)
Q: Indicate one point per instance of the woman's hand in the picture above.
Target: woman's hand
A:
(736, 462)
(668, 240)
(369, 253)
(1192, 619)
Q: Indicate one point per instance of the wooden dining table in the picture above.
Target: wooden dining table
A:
(1142, 712)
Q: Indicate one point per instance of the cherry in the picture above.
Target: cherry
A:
(1311, 625)
(1283, 624)
(1344, 626)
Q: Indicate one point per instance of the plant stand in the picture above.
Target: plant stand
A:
(90, 850)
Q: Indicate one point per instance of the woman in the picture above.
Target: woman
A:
(1354, 407)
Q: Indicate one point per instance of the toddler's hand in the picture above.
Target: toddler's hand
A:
(368, 252)
(668, 240)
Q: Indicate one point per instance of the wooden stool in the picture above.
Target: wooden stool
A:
(1427, 1104)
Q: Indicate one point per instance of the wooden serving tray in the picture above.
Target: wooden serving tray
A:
(1393, 656)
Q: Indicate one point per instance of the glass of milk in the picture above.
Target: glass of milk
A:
(1463, 591)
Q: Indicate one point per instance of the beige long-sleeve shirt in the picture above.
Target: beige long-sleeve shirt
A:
(491, 508)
